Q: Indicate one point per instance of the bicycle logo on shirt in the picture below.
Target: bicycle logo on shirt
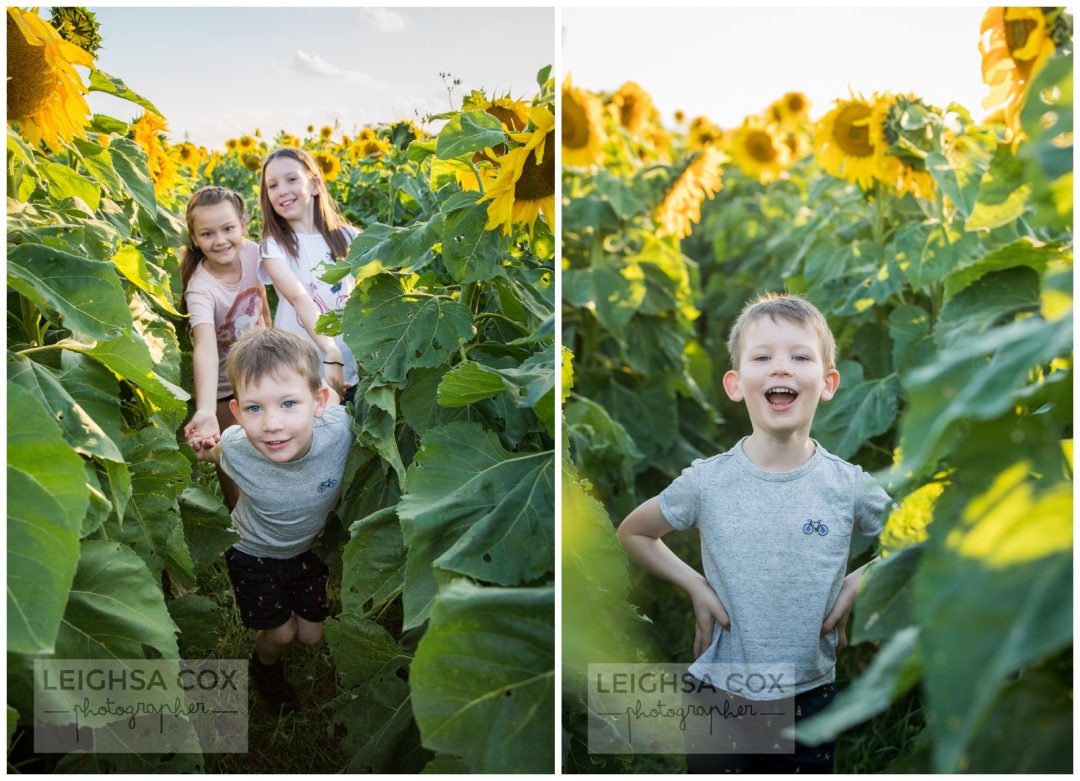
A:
(327, 484)
(815, 526)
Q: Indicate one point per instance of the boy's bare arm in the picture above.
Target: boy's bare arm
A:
(640, 534)
(845, 603)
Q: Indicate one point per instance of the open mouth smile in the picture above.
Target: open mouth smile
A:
(781, 398)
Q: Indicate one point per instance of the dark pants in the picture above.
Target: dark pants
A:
(804, 759)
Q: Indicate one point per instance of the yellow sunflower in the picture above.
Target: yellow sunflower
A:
(246, 143)
(582, 126)
(368, 133)
(190, 155)
(525, 185)
(681, 207)
(680, 116)
(404, 132)
(906, 143)
(514, 114)
(372, 146)
(1015, 42)
(211, 163)
(702, 133)
(287, 139)
(792, 109)
(231, 144)
(44, 91)
(329, 165)
(846, 146)
(326, 131)
(252, 162)
(159, 161)
(759, 149)
(311, 128)
(634, 108)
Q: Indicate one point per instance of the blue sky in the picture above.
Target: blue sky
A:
(730, 62)
(216, 73)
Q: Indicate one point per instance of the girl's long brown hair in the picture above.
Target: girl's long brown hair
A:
(328, 220)
(210, 195)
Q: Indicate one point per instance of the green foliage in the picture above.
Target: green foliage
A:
(113, 530)
(952, 317)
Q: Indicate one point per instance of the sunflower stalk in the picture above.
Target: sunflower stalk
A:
(476, 173)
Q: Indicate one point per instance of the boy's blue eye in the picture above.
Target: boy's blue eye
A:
(288, 404)
(252, 408)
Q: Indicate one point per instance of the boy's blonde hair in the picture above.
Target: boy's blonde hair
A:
(265, 352)
(783, 306)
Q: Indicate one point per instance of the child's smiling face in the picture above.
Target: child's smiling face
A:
(291, 188)
(219, 232)
(277, 411)
(781, 376)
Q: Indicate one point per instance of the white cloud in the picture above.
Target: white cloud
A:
(314, 65)
(383, 19)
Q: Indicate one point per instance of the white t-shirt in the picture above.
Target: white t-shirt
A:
(314, 259)
(230, 309)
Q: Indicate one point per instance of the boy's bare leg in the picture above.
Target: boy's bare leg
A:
(230, 489)
(308, 632)
(269, 643)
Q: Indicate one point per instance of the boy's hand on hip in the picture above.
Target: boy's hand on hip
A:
(708, 609)
(838, 616)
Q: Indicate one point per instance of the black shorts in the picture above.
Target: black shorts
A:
(799, 758)
(269, 591)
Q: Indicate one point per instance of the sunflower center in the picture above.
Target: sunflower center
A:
(575, 124)
(1017, 32)
(31, 80)
(853, 138)
(507, 117)
(796, 104)
(760, 148)
(537, 181)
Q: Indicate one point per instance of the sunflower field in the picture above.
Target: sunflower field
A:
(440, 648)
(940, 250)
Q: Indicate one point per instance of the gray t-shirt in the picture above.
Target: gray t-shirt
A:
(283, 507)
(775, 549)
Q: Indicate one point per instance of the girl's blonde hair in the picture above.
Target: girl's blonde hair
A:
(211, 195)
(328, 220)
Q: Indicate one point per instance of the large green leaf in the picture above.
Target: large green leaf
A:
(116, 607)
(374, 563)
(47, 497)
(471, 252)
(475, 509)
(86, 293)
(146, 276)
(998, 297)
(886, 597)
(151, 524)
(381, 248)
(975, 380)
(993, 593)
(128, 357)
(99, 163)
(926, 253)
(856, 414)
(378, 428)
(64, 182)
(80, 430)
(483, 680)
(200, 621)
(468, 132)
(910, 327)
(611, 290)
(381, 732)
(598, 623)
(468, 383)
(103, 82)
(392, 326)
(603, 449)
(895, 669)
(362, 649)
(206, 524)
(1003, 193)
(129, 162)
(1023, 252)
(1047, 119)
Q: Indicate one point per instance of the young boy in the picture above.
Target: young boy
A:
(288, 457)
(775, 515)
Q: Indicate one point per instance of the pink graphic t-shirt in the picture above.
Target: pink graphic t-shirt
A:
(231, 309)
